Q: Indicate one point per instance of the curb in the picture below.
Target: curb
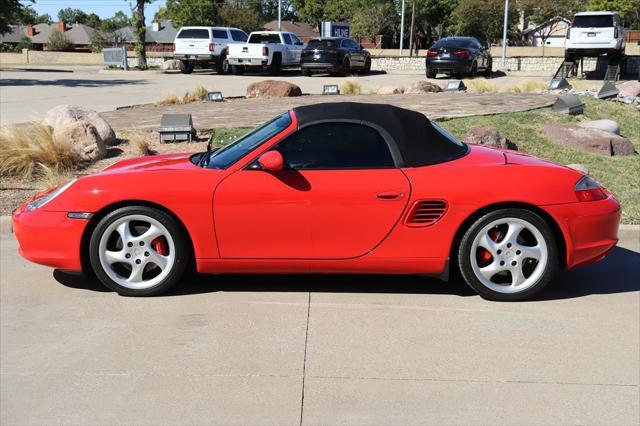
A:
(629, 235)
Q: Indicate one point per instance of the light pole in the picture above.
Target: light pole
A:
(402, 28)
(279, 15)
(504, 35)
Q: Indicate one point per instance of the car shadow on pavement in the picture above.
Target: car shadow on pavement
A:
(619, 272)
(68, 82)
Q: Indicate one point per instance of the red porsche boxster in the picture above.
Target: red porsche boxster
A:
(327, 188)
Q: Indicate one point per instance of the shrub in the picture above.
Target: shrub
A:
(58, 42)
(24, 150)
(169, 98)
(480, 85)
(53, 176)
(350, 87)
(198, 94)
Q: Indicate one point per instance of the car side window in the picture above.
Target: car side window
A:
(336, 145)
(295, 39)
(287, 38)
(237, 35)
(345, 44)
(219, 34)
(354, 45)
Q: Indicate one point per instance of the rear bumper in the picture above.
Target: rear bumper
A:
(199, 58)
(49, 238)
(590, 229)
(253, 62)
(328, 66)
(448, 65)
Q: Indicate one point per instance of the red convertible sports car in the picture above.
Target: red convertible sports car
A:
(327, 188)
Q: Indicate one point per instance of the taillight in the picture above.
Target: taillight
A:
(212, 47)
(569, 32)
(573, 22)
(432, 53)
(174, 47)
(460, 53)
(588, 189)
(265, 51)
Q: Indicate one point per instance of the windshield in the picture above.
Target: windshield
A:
(264, 38)
(454, 42)
(322, 43)
(593, 21)
(448, 136)
(228, 155)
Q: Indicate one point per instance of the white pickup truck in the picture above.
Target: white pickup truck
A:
(270, 50)
(205, 47)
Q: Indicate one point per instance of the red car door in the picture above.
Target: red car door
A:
(339, 196)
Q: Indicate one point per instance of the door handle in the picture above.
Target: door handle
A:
(391, 195)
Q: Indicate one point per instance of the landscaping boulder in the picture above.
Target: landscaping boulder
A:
(272, 89)
(170, 65)
(63, 115)
(606, 125)
(579, 167)
(488, 137)
(84, 139)
(389, 90)
(630, 88)
(422, 87)
(589, 140)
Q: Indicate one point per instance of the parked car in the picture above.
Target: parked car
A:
(205, 47)
(594, 34)
(266, 50)
(458, 56)
(327, 188)
(336, 55)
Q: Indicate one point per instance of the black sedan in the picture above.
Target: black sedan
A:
(336, 55)
(458, 56)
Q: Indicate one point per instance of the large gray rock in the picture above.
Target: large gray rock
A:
(272, 89)
(63, 115)
(170, 65)
(420, 87)
(590, 140)
(630, 88)
(488, 137)
(84, 140)
(389, 90)
(606, 125)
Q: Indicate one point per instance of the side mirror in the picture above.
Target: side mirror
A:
(271, 161)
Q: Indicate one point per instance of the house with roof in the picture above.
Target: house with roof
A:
(78, 34)
(304, 31)
(551, 33)
(159, 36)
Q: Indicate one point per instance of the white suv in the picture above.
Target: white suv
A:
(205, 47)
(593, 34)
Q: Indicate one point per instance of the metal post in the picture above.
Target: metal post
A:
(125, 64)
(504, 35)
(279, 15)
(402, 28)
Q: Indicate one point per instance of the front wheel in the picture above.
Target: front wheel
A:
(473, 72)
(508, 255)
(367, 67)
(138, 251)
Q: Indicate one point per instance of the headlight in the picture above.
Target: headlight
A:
(41, 201)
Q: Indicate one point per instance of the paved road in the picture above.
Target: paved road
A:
(318, 349)
(27, 93)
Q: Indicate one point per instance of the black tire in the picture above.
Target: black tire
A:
(488, 70)
(222, 66)
(473, 72)
(345, 69)
(186, 67)
(183, 254)
(367, 67)
(237, 69)
(306, 72)
(276, 64)
(431, 73)
(466, 246)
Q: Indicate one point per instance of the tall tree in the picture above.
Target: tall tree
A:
(139, 30)
(192, 12)
(629, 10)
(377, 17)
(483, 19)
(10, 12)
(240, 15)
(117, 21)
(72, 15)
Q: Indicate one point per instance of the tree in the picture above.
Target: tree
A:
(541, 11)
(483, 19)
(58, 42)
(373, 19)
(629, 10)
(72, 15)
(429, 15)
(99, 40)
(117, 21)
(28, 16)
(10, 12)
(93, 21)
(240, 16)
(139, 30)
(316, 11)
(192, 12)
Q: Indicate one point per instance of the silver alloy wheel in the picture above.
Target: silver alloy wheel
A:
(129, 258)
(510, 254)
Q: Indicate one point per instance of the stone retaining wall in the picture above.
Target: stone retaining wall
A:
(544, 65)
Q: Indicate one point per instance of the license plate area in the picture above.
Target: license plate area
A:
(591, 34)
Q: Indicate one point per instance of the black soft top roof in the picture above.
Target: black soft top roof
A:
(417, 141)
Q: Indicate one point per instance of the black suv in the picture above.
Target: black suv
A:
(458, 56)
(336, 55)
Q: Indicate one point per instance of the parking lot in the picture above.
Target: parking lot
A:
(319, 350)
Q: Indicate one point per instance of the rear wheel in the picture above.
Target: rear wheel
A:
(276, 64)
(186, 67)
(346, 67)
(237, 69)
(222, 66)
(306, 72)
(138, 251)
(367, 67)
(508, 255)
(431, 73)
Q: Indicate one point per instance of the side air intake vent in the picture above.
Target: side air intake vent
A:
(426, 212)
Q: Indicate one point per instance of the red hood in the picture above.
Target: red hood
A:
(153, 163)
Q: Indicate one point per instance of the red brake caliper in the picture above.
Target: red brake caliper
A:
(160, 245)
(485, 255)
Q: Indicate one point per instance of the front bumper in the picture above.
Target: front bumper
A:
(590, 229)
(49, 238)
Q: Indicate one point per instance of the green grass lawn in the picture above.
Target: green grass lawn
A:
(620, 174)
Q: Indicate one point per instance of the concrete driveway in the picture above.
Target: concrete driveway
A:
(318, 350)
